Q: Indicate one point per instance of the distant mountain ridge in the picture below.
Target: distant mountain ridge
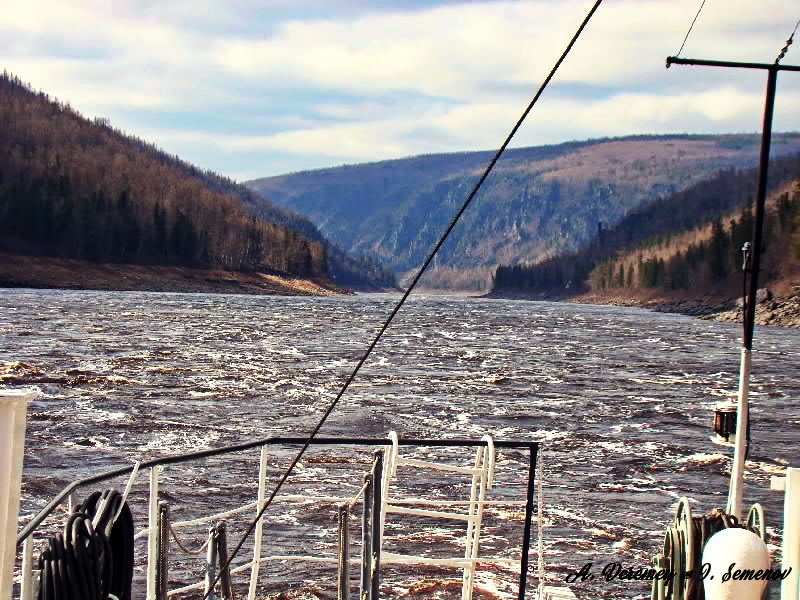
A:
(539, 202)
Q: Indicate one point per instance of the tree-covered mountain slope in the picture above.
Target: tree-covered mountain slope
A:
(690, 241)
(76, 188)
(539, 202)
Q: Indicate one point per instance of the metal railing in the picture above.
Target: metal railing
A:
(376, 500)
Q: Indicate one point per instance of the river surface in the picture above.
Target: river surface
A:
(620, 397)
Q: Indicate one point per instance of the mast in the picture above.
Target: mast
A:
(742, 416)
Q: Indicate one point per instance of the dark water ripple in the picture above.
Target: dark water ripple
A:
(621, 396)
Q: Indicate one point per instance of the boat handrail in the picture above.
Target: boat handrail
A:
(270, 441)
(529, 450)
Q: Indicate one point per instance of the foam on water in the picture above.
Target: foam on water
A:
(621, 398)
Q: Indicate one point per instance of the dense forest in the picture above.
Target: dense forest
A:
(689, 240)
(77, 188)
(715, 261)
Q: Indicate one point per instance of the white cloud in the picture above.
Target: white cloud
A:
(481, 126)
(370, 85)
(455, 50)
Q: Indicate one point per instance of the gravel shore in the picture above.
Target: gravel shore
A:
(781, 311)
(59, 273)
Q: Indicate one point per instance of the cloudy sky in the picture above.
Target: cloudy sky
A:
(251, 88)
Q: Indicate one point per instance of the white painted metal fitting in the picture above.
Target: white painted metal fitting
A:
(739, 562)
(13, 407)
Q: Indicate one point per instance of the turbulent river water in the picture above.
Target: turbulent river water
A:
(620, 397)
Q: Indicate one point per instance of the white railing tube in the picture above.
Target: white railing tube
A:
(790, 485)
(736, 492)
(477, 493)
(26, 589)
(258, 534)
(540, 517)
(152, 535)
(211, 564)
(13, 406)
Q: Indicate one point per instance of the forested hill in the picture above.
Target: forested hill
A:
(539, 201)
(80, 189)
(688, 241)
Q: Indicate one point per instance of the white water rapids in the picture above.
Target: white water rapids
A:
(621, 397)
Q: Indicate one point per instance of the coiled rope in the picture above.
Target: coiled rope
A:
(93, 558)
(702, 528)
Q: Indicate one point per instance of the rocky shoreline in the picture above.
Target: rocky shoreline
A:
(781, 311)
(59, 273)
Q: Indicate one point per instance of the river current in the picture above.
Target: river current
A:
(620, 397)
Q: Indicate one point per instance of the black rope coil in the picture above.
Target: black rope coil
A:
(90, 561)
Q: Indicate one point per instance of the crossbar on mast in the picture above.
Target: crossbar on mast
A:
(674, 60)
(735, 494)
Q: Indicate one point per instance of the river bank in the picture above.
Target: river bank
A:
(772, 309)
(782, 311)
(58, 273)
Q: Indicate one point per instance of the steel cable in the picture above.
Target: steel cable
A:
(699, 10)
(408, 291)
(788, 43)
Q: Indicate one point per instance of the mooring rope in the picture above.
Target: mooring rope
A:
(410, 288)
(183, 548)
(93, 558)
(360, 493)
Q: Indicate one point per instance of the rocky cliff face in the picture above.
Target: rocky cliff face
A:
(538, 202)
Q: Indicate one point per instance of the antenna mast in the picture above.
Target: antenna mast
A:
(742, 417)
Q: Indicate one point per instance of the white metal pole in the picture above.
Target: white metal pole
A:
(211, 563)
(540, 516)
(13, 407)
(26, 589)
(262, 487)
(152, 535)
(740, 445)
(391, 457)
(469, 546)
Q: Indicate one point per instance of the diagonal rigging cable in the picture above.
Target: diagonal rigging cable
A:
(408, 291)
(699, 10)
(789, 42)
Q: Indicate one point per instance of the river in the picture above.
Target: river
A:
(621, 397)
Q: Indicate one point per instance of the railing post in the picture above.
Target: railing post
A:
(475, 495)
(222, 556)
(526, 536)
(366, 539)
(162, 565)
(343, 517)
(13, 408)
(211, 563)
(26, 589)
(377, 501)
(540, 517)
(152, 535)
(258, 533)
